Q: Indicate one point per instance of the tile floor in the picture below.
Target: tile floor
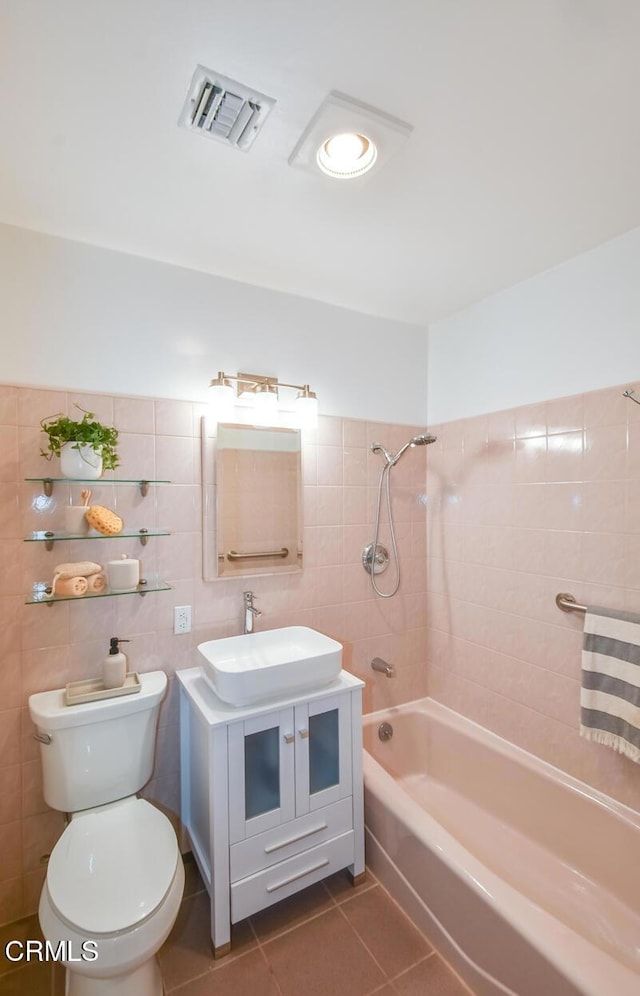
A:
(329, 940)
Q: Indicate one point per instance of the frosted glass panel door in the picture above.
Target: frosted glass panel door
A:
(261, 774)
(323, 753)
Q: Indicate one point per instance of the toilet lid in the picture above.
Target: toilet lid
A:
(112, 866)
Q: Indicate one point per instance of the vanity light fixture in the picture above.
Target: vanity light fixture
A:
(346, 139)
(262, 394)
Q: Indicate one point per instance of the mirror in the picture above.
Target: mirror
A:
(252, 509)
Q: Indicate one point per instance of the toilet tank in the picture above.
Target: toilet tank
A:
(99, 751)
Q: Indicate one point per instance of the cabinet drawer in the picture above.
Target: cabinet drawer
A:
(266, 887)
(285, 841)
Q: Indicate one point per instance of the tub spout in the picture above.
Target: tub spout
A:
(377, 664)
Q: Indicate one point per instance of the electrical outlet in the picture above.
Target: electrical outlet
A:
(182, 619)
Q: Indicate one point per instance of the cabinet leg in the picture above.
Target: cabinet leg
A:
(221, 951)
(357, 879)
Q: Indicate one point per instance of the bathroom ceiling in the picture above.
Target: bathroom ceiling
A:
(525, 149)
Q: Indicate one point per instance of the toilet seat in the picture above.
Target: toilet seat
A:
(112, 866)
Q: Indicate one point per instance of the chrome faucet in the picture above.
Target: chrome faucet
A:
(377, 664)
(249, 611)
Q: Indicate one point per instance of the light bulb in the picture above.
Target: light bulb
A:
(265, 407)
(344, 150)
(346, 155)
(306, 410)
(221, 401)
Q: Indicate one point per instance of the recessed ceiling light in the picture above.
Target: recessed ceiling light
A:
(347, 155)
(346, 138)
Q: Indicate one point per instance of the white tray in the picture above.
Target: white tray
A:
(91, 689)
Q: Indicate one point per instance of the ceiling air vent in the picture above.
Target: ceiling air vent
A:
(220, 108)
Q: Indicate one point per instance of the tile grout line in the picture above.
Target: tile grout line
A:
(410, 968)
(408, 919)
(188, 982)
(369, 952)
(338, 908)
(390, 978)
(433, 951)
(381, 989)
(288, 930)
(272, 974)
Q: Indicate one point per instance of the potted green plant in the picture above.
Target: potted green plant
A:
(85, 448)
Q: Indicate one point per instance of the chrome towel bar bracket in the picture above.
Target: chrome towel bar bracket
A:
(566, 601)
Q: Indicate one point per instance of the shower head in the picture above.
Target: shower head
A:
(421, 440)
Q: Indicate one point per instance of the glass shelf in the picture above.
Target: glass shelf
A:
(48, 482)
(49, 536)
(39, 596)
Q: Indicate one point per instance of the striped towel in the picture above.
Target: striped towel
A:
(610, 693)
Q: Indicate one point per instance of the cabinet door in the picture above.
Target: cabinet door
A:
(323, 752)
(261, 774)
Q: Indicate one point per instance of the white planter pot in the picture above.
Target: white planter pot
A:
(80, 462)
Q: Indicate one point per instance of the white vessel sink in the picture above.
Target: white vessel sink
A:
(246, 669)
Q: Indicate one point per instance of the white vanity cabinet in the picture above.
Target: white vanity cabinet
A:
(271, 794)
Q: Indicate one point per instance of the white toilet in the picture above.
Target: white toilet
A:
(115, 877)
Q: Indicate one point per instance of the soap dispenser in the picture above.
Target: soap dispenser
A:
(114, 667)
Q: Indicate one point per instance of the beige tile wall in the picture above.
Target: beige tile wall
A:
(524, 504)
(43, 648)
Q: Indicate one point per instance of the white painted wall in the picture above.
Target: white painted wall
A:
(79, 317)
(573, 328)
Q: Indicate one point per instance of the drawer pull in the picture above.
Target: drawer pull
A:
(294, 878)
(294, 840)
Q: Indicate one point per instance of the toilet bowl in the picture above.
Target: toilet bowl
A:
(115, 879)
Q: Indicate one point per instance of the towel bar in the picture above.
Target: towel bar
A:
(567, 602)
(234, 555)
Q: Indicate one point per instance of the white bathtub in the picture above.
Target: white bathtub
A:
(534, 876)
